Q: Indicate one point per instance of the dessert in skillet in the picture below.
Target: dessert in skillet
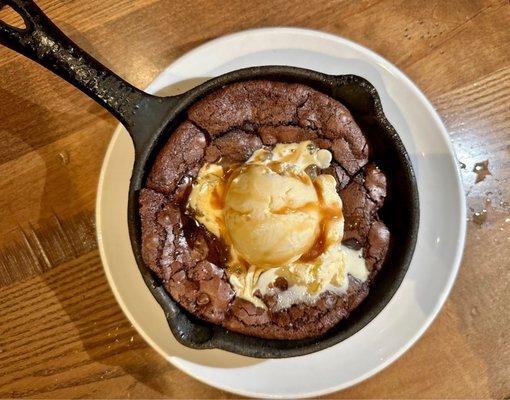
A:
(260, 213)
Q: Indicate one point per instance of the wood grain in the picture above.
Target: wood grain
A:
(61, 333)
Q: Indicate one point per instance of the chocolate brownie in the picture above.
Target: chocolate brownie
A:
(229, 125)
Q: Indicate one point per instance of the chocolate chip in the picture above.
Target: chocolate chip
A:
(203, 299)
(312, 171)
(352, 244)
(270, 301)
(281, 283)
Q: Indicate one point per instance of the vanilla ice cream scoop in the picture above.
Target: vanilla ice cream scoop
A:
(277, 221)
(272, 219)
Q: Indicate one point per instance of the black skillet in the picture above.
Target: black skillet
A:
(151, 119)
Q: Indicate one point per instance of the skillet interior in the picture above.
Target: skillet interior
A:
(400, 212)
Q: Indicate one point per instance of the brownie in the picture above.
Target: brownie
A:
(228, 125)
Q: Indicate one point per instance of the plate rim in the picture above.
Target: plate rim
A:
(460, 242)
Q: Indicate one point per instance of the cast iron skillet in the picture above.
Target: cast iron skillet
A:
(151, 119)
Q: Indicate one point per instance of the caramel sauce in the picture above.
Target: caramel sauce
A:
(240, 268)
(220, 191)
(304, 178)
(328, 213)
(219, 194)
(218, 198)
(275, 166)
(318, 247)
(321, 242)
(306, 208)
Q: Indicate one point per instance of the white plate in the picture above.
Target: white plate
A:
(431, 273)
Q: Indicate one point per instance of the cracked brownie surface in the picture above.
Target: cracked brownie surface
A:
(227, 126)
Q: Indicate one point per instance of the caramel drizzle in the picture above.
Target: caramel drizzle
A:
(220, 193)
(321, 242)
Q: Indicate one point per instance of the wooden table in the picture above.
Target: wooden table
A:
(62, 334)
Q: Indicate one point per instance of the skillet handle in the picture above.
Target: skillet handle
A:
(43, 42)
